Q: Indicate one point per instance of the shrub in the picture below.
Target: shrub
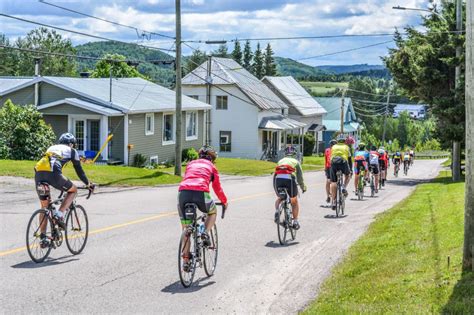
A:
(189, 154)
(139, 160)
(308, 141)
(23, 133)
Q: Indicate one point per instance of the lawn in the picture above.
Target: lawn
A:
(323, 88)
(101, 174)
(409, 260)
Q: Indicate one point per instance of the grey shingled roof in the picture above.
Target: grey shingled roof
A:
(296, 95)
(280, 122)
(9, 83)
(226, 71)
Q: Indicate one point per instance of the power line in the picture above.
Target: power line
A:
(104, 20)
(80, 33)
(345, 51)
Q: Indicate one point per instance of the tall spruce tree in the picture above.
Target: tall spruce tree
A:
(248, 56)
(222, 51)
(258, 63)
(270, 67)
(237, 53)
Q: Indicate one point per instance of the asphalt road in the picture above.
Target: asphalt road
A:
(130, 262)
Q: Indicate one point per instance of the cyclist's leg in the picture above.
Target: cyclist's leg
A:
(333, 179)
(328, 182)
(211, 210)
(62, 183)
(44, 195)
(183, 198)
(346, 171)
(376, 175)
(356, 176)
(294, 198)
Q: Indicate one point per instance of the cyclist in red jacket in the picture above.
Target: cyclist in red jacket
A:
(327, 169)
(194, 188)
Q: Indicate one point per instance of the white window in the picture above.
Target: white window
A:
(154, 159)
(225, 139)
(191, 126)
(221, 102)
(168, 129)
(149, 124)
(196, 97)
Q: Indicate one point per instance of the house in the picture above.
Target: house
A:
(301, 106)
(247, 119)
(415, 111)
(139, 114)
(332, 118)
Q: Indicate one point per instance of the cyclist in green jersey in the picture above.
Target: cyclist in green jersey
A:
(340, 161)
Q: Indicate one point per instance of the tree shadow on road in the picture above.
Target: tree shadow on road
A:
(273, 244)
(47, 263)
(333, 216)
(177, 287)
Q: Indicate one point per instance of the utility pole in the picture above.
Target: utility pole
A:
(386, 113)
(208, 99)
(177, 166)
(342, 110)
(468, 252)
(110, 82)
(456, 163)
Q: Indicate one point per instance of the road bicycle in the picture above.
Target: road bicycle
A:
(284, 217)
(405, 168)
(75, 233)
(361, 185)
(340, 197)
(396, 169)
(372, 184)
(192, 252)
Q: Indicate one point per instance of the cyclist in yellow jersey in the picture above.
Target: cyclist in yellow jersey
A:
(340, 161)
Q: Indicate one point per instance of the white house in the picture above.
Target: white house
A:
(247, 119)
(417, 111)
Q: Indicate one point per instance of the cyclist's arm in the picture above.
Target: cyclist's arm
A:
(216, 186)
(78, 167)
(299, 176)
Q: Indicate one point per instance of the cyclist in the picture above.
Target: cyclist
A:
(48, 172)
(361, 160)
(382, 164)
(287, 173)
(406, 160)
(194, 188)
(374, 165)
(340, 161)
(412, 156)
(396, 159)
(327, 169)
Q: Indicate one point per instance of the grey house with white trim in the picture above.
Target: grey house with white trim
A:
(139, 114)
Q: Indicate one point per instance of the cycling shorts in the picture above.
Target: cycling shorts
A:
(202, 199)
(338, 164)
(288, 183)
(382, 165)
(327, 171)
(359, 165)
(374, 169)
(54, 178)
(396, 161)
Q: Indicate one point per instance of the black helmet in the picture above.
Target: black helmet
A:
(290, 151)
(332, 142)
(341, 138)
(207, 152)
(67, 138)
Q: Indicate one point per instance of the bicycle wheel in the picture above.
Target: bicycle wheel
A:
(33, 231)
(210, 253)
(282, 224)
(77, 229)
(290, 224)
(372, 186)
(338, 199)
(343, 204)
(187, 240)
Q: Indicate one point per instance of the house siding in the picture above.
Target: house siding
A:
(49, 93)
(58, 123)
(116, 126)
(153, 144)
(24, 96)
(66, 109)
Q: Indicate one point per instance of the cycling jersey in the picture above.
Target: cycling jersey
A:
(396, 158)
(199, 175)
(406, 157)
(289, 167)
(327, 158)
(340, 150)
(374, 158)
(56, 157)
(361, 156)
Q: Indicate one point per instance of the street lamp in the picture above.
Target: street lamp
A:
(420, 9)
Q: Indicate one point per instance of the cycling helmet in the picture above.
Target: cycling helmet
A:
(361, 146)
(381, 151)
(67, 138)
(350, 140)
(341, 138)
(290, 151)
(373, 148)
(207, 152)
(332, 142)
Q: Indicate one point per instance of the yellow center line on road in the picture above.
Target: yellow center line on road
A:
(147, 219)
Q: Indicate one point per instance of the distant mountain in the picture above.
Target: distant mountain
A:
(290, 67)
(345, 69)
(161, 74)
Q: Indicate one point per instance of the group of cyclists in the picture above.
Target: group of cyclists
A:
(200, 174)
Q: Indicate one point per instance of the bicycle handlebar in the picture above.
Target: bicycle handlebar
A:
(90, 189)
(223, 208)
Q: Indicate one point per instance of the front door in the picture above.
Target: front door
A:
(93, 132)
(80, 134)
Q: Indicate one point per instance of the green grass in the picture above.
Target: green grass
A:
(323, 88)
(101, 174)
(400, 265)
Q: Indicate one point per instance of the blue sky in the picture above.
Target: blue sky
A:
(229, 19)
